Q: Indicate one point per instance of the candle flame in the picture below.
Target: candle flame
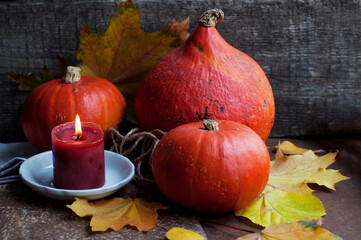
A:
(77, 126)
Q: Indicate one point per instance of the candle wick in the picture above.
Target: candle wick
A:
(78, 137)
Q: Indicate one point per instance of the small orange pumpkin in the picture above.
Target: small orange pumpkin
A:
(58, 101)
(217, 166)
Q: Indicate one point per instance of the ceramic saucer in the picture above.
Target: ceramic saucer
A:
(37, 173)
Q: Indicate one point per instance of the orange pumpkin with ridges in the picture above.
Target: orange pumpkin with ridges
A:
(58, 101)
(218, 166)
(205, 78)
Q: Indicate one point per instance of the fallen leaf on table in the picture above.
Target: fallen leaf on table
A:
(289, 148)
(124, 53)
(117, 213)
(292, 173)
(181, 234)
(279, 207)
(287, 197)
(296, 231)
(29, 81)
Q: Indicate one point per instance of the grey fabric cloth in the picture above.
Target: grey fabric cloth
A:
(9, 171)
(12, 155)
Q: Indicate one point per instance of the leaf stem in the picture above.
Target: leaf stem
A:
(165, 228)
(224, 225)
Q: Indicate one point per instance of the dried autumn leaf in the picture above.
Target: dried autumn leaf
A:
(29, 81)
(124, 53)
(287, 197)
(289, 148)
(292, 173)
(117, 213)
(296, 231)
(279, 207)
(181, 234)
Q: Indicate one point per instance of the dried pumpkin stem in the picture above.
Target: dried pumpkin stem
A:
(72, 75)
(210, 125)
(211, 18)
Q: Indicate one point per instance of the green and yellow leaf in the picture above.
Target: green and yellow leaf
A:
(280, 207)
(29, 81)
(287, 197)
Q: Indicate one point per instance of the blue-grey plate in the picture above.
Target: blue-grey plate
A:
(37, 173)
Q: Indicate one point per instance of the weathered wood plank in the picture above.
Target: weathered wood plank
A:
(32, 34)
(308, 49)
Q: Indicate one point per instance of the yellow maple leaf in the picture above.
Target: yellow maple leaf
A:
(177, 233)
(279, 207)
(292, 173)
(117, 213)
(296, 231)
(289, 148)
(287, 197)
(124, 53)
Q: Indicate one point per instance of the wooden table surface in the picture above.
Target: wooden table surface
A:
(25, 214)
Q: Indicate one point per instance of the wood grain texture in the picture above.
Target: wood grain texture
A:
(33, 33)
(309, 50)
(26, 214)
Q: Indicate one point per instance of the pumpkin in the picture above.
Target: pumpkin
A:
(217, 166)
(59, 100)
(205, 78)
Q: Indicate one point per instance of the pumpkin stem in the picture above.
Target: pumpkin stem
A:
(210, 125)
(72, 75)
(211, 18)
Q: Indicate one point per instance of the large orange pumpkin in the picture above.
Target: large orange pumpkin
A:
(58, 101)
(222, 166)
(205, 78)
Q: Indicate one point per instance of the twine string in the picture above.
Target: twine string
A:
(138, 146)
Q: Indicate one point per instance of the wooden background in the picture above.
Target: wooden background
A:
(310, 51)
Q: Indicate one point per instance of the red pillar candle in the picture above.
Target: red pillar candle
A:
(78, 159)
